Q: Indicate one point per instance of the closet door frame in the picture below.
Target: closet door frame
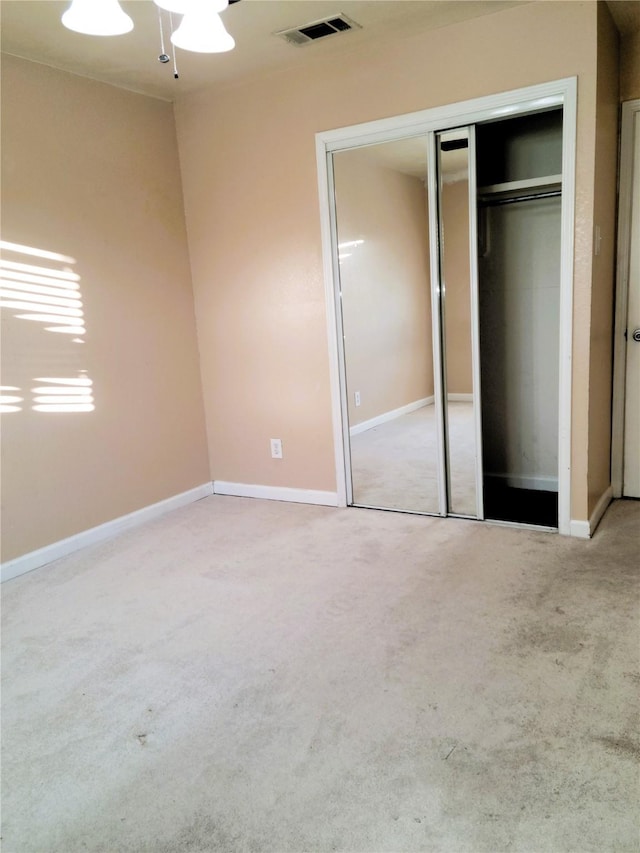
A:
(333, 293)
(559, 93)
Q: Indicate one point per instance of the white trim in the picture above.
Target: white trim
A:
(363, 426)
(579, 529)
(565, 375)
(36, 559)
(275, 493)
(436, 318)
(475, 319)
(514, 102)
(500, 105)
(586, 529)
(600, 509)
(629, 109)
(326, 194)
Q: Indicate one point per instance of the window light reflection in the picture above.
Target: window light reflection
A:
(50, 272)
(76, 407)
(63, 394)
(54, 317)
(61, 399)
(35, 292)
(40, 286)
(80, 380)
(39, 279)
(57, 307)
(8, 401)
(60, 391)
(38, 253)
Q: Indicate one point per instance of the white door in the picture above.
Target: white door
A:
(627, 469)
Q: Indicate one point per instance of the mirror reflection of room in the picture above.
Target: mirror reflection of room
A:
(383, 245)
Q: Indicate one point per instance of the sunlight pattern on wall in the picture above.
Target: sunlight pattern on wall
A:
(63, 395)
(9, 402)
(41, 287)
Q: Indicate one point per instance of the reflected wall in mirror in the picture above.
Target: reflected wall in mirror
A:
(457, 306)
(383, 248)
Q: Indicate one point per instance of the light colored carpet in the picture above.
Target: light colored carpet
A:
(257, 676)
(394, 465)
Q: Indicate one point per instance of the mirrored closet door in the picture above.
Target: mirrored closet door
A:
(447, 259)
(393, 434)
(456, 285)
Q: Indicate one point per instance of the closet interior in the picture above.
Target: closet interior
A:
(519, 197)
(447, 247)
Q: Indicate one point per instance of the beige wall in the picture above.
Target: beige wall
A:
(630, 67)
(385, 284)
(455, 215)
(90, 172)
(249, 175)
(600, 357)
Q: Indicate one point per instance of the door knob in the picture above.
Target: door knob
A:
(636, 335)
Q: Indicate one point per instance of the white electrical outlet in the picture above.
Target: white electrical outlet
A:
(357, 398)
(276, 448)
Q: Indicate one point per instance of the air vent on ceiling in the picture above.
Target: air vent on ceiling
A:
(318, 30)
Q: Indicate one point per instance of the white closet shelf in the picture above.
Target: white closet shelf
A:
(518, 186)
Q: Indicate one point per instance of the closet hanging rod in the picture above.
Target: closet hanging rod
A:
(491, 202)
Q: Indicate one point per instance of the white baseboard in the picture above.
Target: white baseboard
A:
(586, 529)
(600, 509)
(390, 416)
(36, 559)
(539, 484)
(275, 493)
(460, 398)
(579, 529)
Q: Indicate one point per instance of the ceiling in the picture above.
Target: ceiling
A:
(32, 29)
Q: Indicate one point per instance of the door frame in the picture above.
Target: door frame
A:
(625, 197)
(558, 93)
